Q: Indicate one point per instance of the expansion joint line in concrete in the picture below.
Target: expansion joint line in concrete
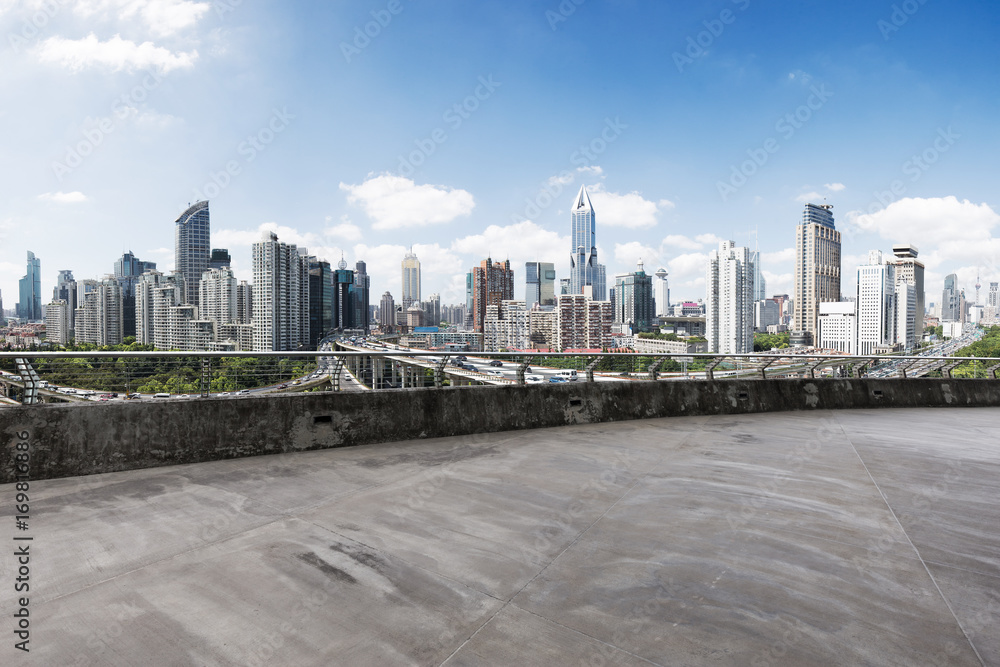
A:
(912, 545)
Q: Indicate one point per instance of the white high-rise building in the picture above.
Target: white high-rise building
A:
(876, 305)
(906, 314)
(57, 322)
(729, 306)
(838, 327)
(244, 303)
(217, 296)
(99, 316)
(506, 327)
(280, 295)
(661, 293)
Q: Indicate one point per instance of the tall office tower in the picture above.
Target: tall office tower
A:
(492, 282)
(128, 269)
(217, 296)
(950, 298)
(220, 259)
(581, 323)
(244, 303)
(909, 270)
(633, 301)
(320, 300)
(661, 293)
(362, 296)
(759, 284)
(876, 305)
(564, 286)
(3, 318)
(29, 307)
(584, 268)
(434, 310)
(343, 298)
(766, 314)
(411, 280)
(539, 284)
(817, 265)
(65, 290)
(57, 322)
(387, 313)
(99, 316)
(192, 250)
(729, 302)
(470, 290)
(280, 296)
(992, 302)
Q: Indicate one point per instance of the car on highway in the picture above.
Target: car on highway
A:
(243, 392)
(533, 378)
(556, 379)
(496, 362)
(161, 395)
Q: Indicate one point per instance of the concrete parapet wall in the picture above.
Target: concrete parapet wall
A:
(69, 440)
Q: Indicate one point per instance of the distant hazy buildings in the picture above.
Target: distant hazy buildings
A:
(411, 279)
(192, 251)
(280, 296)
(539, 284)
(29, 307)
(817, 265)
(951, 300)
(729, 305)
(492, 282)
(585, 271)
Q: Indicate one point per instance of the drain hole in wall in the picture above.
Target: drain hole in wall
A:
(325, 419)
(575, 402)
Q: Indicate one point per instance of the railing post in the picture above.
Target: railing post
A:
(206, 376)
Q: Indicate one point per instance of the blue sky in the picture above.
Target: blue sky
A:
(689, 122)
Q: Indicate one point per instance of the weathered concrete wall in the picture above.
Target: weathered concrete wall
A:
(68, 440)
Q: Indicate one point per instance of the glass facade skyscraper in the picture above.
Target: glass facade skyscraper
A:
(29, 307)
(584, 268)
(411, 280)
(192, 250)
(539, 284)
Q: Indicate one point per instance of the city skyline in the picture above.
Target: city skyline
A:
(109, 146)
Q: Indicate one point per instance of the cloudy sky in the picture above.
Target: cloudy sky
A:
(464, 129)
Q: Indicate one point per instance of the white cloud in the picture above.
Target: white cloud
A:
(116, 54)
(629, 210)
(163, 17)
(777, 283)
(809, 197)
(630, 253)
(436, 264)
(564, 178)
(943, 228)
(687, 275)
(779, 257)
(709, 239)
(395, 202)
(523, 242)
(346, 230)
(835, 187)
(594, 170)
(64, 197)
(682, 242)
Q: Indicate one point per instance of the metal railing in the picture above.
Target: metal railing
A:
(31, 377)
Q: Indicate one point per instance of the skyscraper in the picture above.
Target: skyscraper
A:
(729, 303)
(387, 313)
(65, 290)
(539, 284)
(128, 269)
(910, 271)
(584, 268)
(192, 251)
(29, 307)
(951, 300)
(280, 295)
(244, 303)
(411, 280)
(817, 265)
(876, 305)
(633, 300)
(362, 296)
(661, 293)
(220, 259)
(493, 282)
(217, 296)
(343, 297)
(57, 322)
(99, 316)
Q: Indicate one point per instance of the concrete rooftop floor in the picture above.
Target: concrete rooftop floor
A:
(855, 537)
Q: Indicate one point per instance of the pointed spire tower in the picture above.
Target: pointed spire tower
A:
(584, 268)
